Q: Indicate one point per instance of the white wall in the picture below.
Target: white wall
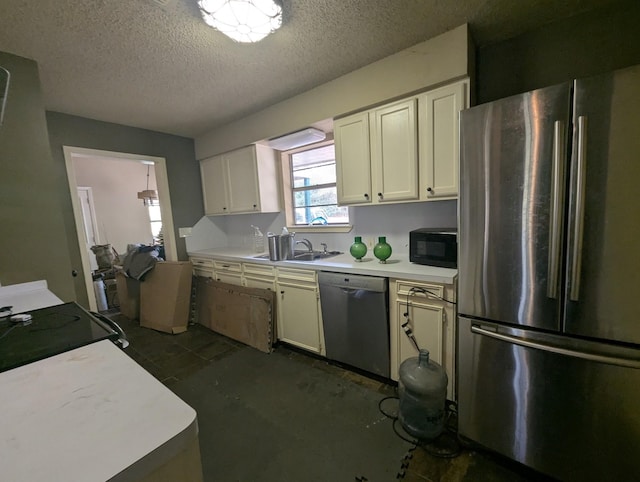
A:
(122, 218)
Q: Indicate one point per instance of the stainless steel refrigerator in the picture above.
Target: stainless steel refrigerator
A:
(549, 278)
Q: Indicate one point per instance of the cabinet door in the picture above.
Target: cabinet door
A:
(439, 111)
(427, 323)
(213, 185)
(298, 319)
(394, 151)
(242, 180)
(353, 159)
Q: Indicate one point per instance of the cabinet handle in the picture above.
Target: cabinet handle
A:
(282, 292)
(226, 266)
(380, 195)
(429, 189)
(366, 196)
(255, 206)
(224, 209)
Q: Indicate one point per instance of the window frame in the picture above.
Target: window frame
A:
(288, 190)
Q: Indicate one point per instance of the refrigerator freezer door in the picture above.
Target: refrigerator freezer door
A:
(603, 269)
(573, 416)
(512, 178)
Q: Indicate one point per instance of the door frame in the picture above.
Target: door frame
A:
(160, 166)
(92, 218)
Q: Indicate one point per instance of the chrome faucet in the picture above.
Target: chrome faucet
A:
(324, 247)
(307, 243)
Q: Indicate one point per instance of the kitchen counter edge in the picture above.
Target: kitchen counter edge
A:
(397, 266)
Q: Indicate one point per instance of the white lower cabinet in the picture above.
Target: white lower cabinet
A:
(202, 266)
(259, 276)
(298, 300)
(228, 272)
(432, 321)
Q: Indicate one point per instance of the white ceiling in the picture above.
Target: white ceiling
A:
(132, 62)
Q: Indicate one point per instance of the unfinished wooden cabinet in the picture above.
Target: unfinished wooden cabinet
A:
(431, 319)
(241, 181)
(298, 304)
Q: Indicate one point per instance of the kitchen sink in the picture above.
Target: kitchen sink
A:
(306, 255)
(313, 255)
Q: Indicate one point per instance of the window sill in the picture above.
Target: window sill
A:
(321, 228)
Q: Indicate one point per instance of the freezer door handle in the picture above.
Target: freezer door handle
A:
(516, 340)
(555, 219)
(578, 226)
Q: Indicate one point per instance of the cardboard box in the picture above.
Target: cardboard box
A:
(128, 295)
(165, 297)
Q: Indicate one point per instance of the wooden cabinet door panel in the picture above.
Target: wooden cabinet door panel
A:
(353, 159)
(394, 151)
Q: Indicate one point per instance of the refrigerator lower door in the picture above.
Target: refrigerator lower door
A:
(565, 407)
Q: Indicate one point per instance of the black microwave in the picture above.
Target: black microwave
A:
(434, 247)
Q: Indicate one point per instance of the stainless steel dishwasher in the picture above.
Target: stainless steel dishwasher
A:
(355, 315)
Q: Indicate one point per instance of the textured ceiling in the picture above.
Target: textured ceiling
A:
(132, 62)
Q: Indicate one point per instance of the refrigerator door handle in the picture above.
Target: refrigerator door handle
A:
(557, 195)
(578, 226)
(516, 340)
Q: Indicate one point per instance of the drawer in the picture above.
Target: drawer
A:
(206, 263)
(294, 274)
(261, 270)
(405, 288)
(207, 273)
(227, 267)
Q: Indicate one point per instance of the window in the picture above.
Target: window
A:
(310, 187)
(155, 218)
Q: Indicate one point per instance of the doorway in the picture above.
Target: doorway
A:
(74, 155)
(89, 223)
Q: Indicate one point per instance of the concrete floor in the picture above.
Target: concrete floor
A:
(289, 416)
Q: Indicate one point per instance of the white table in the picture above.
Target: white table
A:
(93, 414)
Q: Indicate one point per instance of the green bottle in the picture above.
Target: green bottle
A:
(358, 249)
(382, 250)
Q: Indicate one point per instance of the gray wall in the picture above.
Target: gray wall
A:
(33, 244)
(598, 41)
(182, 168)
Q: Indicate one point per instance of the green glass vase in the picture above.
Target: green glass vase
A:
(358, 249)
(382, 250)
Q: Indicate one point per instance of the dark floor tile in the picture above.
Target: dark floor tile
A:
(186, 371)
(214, 349)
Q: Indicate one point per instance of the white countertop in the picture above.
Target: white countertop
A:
(90, 414)
(398, 266)
(28, 296)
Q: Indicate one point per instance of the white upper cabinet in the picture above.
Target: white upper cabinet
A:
(439, 112)
(353, 159)
(214, 189)
(240, 181)
(394, 151)
(404, 151)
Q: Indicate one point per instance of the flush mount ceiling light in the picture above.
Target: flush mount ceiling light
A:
(242, 20)
(297, 139)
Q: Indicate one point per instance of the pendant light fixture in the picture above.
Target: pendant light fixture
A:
(242, 20)
(148, 196)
